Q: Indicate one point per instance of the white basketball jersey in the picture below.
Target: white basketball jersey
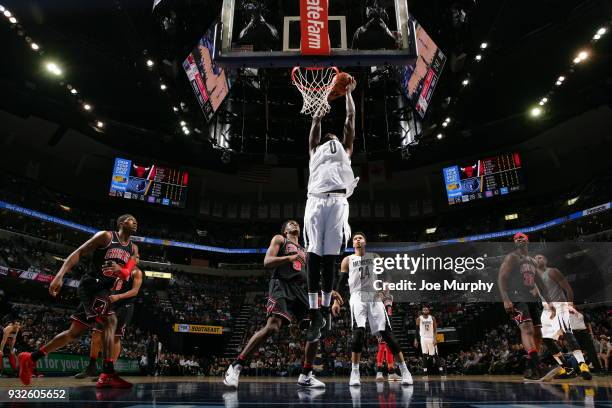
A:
(426, 330)
(330, 169)
(362, 276)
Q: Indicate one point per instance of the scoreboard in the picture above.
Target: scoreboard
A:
(485, 178)
(149, 183)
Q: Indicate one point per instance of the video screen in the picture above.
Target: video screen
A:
(149, 183)
(418, 81)
(484, 178)
(208, 80)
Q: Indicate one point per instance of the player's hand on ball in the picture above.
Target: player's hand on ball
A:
(56, 285)
(351, 86)
(335, 309)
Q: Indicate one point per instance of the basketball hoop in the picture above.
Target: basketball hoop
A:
(315, 85)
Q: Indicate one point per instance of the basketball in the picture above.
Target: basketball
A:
(340, 83)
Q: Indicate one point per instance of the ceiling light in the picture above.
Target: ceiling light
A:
(186, 131)
(582, 55)
(439, 136)
(54, 68)
(163, 87)
(444, 124)
(483, 45)
(447, 119)
(2, 9)
(150, 63)
(478, 57)
(13, 20)
(35, 46)
(535, 112)
(100, 124)
(431, 230)
(87, 106)
(561, 78)
(541, 103)
(183, 123)
(572, 201)
(465, 82)
(74, 91)
(596, 37)
(7, 13)
(602, 31)
(509, 217)
(558, 83)
(174, 108)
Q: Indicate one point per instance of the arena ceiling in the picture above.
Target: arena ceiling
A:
(102, 47)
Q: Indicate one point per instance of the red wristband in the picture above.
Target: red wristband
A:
(127, 269)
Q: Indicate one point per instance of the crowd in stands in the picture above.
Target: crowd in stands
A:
(256, 233)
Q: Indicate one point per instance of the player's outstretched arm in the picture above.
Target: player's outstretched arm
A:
(99, 240)
(315, 134)
(349, 123)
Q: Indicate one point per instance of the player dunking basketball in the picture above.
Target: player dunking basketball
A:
(114, 256)
(326, 225)
(287, 302)
(122, 300)
(9, 337)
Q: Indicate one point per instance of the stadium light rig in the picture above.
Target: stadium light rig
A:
(510, 217)
(431, 230)
(53, 68)
(536, 112)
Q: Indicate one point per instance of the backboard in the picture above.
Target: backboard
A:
(268, 33)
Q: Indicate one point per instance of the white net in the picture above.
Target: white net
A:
(314, 84)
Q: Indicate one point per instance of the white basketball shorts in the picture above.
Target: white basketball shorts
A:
(326, 226)
(371, 312)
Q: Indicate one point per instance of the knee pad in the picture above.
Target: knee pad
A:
(571, 341)
(391, 342)
(358, 340)
(551, 345)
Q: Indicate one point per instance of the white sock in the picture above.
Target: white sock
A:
(325, 299)
(579, 356)
(313, 300)
(402, 366)
(355, 366)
